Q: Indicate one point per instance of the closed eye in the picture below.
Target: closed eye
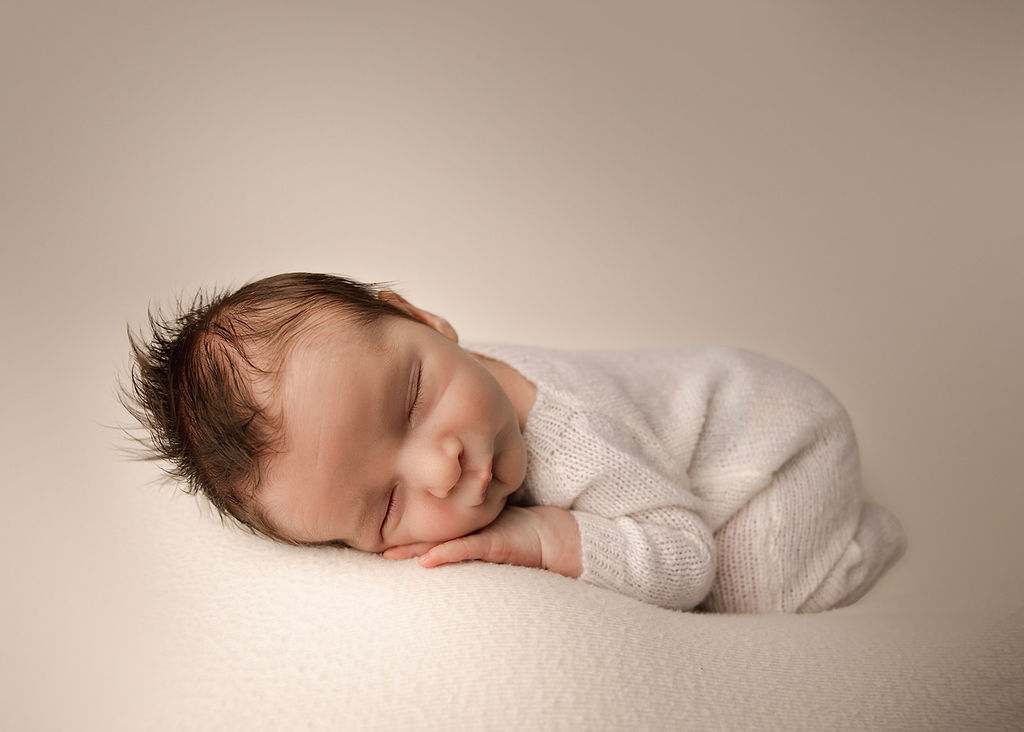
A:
(417, 390)
(389, 510)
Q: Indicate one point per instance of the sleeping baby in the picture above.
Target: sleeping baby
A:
(315, 409)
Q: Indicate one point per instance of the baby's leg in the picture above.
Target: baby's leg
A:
(876, 546)
(803, 542)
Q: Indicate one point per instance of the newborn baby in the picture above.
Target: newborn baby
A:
(315, 409)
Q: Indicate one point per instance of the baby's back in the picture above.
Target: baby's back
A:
(725, 417)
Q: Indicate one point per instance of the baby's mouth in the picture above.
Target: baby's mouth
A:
(482, 482)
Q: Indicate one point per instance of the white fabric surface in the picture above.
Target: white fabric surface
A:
(278, 637)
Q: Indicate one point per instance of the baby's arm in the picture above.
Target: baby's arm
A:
(642, 532)
(664, 555)
(535, 536)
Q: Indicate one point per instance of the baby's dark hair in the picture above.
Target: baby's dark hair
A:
(200, 384)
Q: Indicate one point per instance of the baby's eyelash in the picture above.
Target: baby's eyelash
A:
(419, 390)
(389, 509)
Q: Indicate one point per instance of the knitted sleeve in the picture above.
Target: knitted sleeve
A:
(642, 534)
(662, 556)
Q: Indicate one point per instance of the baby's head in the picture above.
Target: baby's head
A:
(315, 409)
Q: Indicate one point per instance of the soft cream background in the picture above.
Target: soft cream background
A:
(836, 184)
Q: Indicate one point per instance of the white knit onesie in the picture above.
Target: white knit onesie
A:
(708, 477)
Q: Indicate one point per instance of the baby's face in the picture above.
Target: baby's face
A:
(392, 437)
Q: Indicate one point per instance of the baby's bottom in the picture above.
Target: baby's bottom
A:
(807, 541)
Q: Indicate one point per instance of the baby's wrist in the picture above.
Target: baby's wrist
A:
(560, 541)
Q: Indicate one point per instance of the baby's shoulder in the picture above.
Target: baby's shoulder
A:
(679, 378)
(686, 374)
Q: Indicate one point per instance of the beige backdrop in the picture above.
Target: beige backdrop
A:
(838, 184)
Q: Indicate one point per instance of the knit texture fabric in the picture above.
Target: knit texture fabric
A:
(710, 477)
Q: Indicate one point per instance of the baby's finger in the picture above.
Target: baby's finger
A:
(408, 551)
(474, 546)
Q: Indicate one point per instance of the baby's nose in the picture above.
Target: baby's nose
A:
(446, 469)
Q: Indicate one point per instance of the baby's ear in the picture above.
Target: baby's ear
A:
(436, 322)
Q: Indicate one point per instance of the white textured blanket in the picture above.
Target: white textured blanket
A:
(256, 635)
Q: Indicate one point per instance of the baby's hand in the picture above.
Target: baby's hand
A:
(536, 536)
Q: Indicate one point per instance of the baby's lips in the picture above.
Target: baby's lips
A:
(482, 481)
(486, 477)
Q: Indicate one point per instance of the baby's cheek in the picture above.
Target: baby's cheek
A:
(435, 521)
(473, 519)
